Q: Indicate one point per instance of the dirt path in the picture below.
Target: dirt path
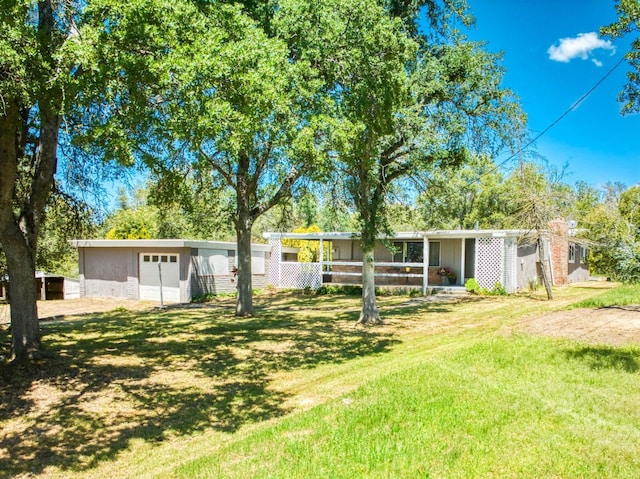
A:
(615, 326)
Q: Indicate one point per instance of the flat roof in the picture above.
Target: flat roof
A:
(162, 243)
(405, 235)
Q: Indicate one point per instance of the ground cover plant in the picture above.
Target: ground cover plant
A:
(451, 389)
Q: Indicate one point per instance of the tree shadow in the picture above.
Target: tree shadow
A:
(604, 357)
(154, 375)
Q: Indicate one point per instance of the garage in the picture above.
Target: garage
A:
(189, 268)
(155, 267)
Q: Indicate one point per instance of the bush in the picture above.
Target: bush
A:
(346, 290)
(497, 290)
(472, 286)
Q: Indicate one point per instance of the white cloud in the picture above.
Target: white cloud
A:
(581, 46)
(596, 62)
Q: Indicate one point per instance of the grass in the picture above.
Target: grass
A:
(620, 296)
(441, 390)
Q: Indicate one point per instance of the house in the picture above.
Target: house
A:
(449, 257)
(174, 268)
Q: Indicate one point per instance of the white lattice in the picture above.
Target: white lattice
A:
(276, 258)
(490, 260)
(300, 275)
(510, 265)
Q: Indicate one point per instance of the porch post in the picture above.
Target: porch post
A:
(321, 258)
(425, 265)
(463, 257)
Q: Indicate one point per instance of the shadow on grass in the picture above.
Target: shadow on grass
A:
(607, 358)
(153, 375)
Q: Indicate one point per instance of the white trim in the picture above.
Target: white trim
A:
(162, 243)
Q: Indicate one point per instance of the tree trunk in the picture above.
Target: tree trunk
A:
(244, 304)
(23, 294)
(369, 313)
(543, 269)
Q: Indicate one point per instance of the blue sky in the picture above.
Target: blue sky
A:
(553, 55)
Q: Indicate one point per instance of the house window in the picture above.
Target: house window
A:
(572, 253)
(398, 256)
(147, 258)
(415, 252)
(408, 252)
(434, 253)
(584, 254)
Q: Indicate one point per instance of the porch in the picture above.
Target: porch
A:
(448, 257)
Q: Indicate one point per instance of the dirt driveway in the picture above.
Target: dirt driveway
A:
(614, 325)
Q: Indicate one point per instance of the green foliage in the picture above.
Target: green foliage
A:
(628, 23)
(615, 235)
(344, 290)
(309, 251)
(497, 290)
(619, 296)
(472, 286)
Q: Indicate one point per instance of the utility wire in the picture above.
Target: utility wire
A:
(554, 123)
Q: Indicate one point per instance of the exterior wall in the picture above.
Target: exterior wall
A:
(528, 268)
(114, 272)
(105, 272)
(225, 283)
(579, 269)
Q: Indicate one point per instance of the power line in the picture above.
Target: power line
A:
(554, 123)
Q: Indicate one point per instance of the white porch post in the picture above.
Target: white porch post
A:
(463, 257)
(321, 258)
(425, 265)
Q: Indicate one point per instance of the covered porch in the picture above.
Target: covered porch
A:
(448, 257)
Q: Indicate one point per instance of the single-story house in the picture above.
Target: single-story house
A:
(449, 258)
(177, 269)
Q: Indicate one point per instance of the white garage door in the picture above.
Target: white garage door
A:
(150, 277)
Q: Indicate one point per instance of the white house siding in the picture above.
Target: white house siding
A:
(527, 266)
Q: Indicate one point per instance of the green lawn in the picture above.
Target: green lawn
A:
(441, 390)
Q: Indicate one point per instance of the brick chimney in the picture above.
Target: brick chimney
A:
(559, 251)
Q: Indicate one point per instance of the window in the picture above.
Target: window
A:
(146, 258)
(415, 252)
(164, 259)
(408, 252)
(173, 259)
(398, 256)
(584, 254)
(154, 258)
(572, 253)
(434, 253)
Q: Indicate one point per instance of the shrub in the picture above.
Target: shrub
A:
(472, 286)
(497, 290)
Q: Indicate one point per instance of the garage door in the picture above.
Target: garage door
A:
(150, 278)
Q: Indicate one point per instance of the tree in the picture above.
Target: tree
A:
(473, 196)
(613, 228)
(406, 102)
(32, 88)
(628, 22)
(87, 63)
(236, 108)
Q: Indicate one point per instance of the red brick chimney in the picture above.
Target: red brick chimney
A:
(559, 251)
